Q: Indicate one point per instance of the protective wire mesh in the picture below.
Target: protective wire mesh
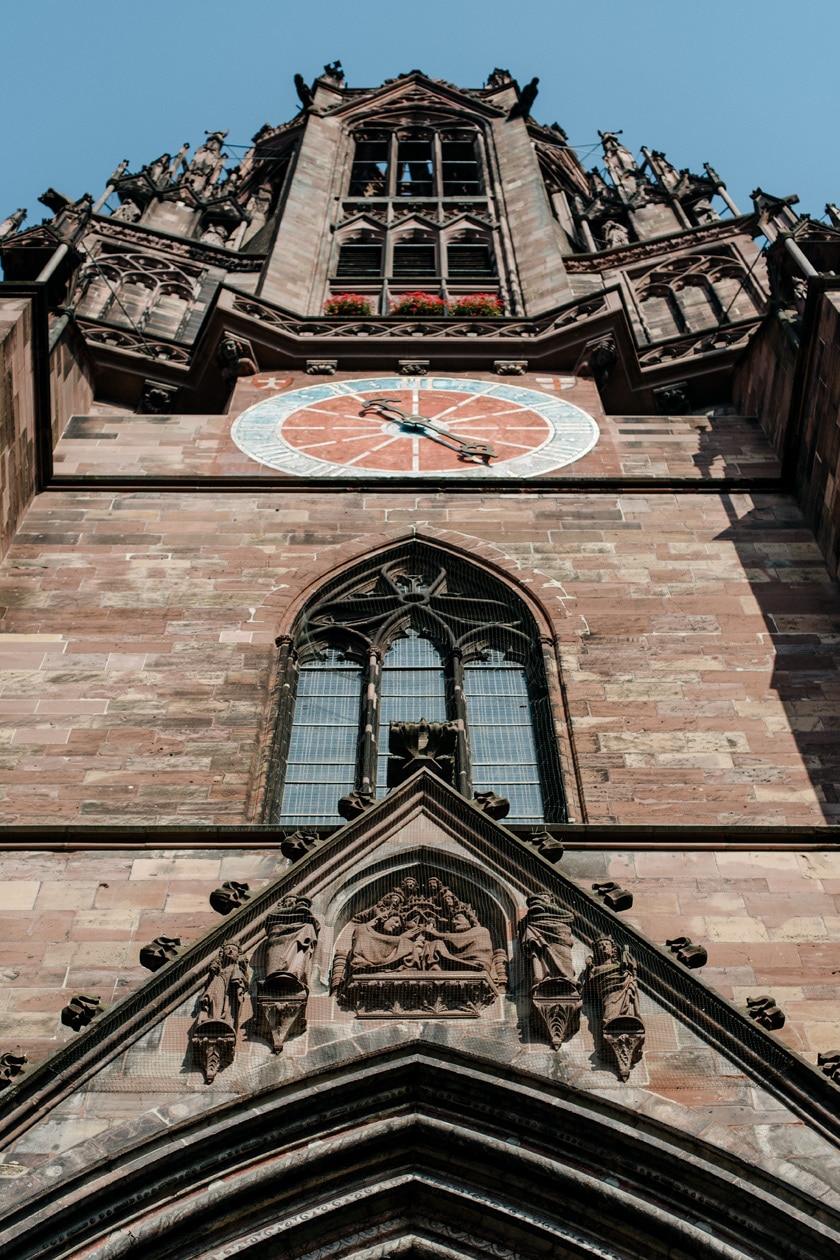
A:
(504, 752)
(413, 687)
(321, 764)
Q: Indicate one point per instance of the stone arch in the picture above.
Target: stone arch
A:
(415, 1151)
(510, 623)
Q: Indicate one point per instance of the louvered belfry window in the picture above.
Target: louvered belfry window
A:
(418, 634)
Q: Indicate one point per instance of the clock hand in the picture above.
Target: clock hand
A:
(467, 448)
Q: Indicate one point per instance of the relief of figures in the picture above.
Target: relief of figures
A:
(418, 951)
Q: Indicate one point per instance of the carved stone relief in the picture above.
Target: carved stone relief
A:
(223, 1008)
(229, 897)
(292, 931)
(545, 935)
(611, 986)
(419, 951)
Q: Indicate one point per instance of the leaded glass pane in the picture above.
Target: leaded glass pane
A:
(321, 765)
(502, 744)
(413, 687)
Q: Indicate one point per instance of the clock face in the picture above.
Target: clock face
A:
(429, 426)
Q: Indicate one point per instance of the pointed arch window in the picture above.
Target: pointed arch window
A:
(421, 634)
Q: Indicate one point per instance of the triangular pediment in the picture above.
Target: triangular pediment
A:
(424, 831)
(140, 1060)
(416, 94)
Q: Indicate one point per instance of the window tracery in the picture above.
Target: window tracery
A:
(417, 636)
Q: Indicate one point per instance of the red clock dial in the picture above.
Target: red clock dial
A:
(340, 430)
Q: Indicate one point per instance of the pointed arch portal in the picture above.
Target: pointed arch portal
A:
(420, 1152)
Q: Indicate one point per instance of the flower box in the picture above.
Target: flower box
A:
(348, 304)
(418, 303)
(477, 306)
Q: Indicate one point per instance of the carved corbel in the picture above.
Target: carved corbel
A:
(547, 845)
(614, 898)
(829, 1063)
(229, 897)
(80, 1011)
(157, 399)
(689, 954)
(235, 358)
(413, 367)
(672, 400)
(297, 844)
(597, 360)
(510, 367)
(223, 1008)
(292, 931)
(11, 1065)
(764, 1011)
(321, 367)
(489, 803)
(354, 804)
(546, 938)
(611, 986)
(159, 952)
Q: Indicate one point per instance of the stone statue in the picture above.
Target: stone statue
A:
(214, 234)
(620, 162)
(611, 984)
(128, 212)
(545, 935)
(334, 73)
(207, 162)
(304, 92)
(223, 1008)
(158, 171)
(412, 935)
(257, 209)
(9, 226)
(615, 234)
(704, 211)
(292, 931)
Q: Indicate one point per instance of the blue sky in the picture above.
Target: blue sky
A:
(748, 87)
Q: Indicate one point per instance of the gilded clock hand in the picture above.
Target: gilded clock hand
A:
(467, 448)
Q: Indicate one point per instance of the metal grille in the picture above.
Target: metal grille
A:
(413, 687)
(504, 752)
(322, 750)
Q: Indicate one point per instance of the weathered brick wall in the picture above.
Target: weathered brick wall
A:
(17, 415)
(695, 636)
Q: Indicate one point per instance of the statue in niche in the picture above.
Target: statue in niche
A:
(417, 951)
(610, 983)
(223, 1008)
(292, 931)
(214, 234)
(615, 234)
(127, 212)
(545, 935)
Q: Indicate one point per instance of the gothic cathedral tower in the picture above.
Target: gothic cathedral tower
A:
(419, 791)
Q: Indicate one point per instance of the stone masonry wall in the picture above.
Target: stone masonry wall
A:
(17, 416)
(696, 635)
